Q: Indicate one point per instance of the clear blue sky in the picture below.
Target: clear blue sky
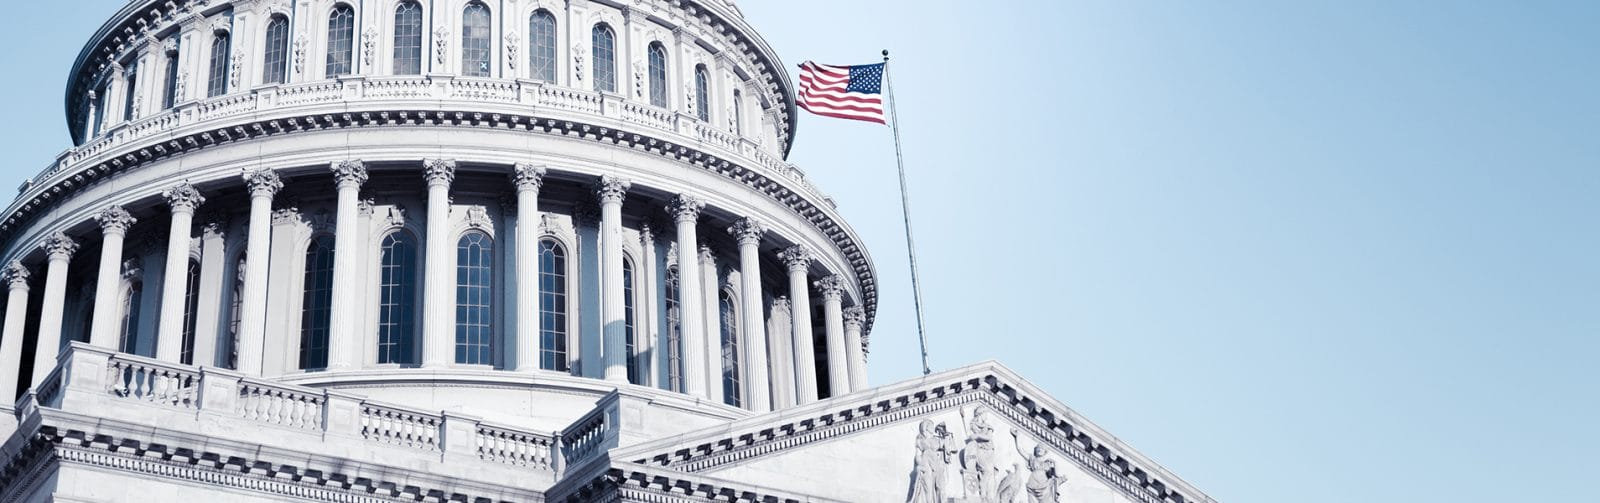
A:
(1333, 251)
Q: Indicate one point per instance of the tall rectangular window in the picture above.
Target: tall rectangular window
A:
(674, 333)
(475, 44)
(605, 58)
(552, 306)
(341, 41)
(408, 39)
(130, 91)
(170, 97)
(218, 82)
(474, 303)
(316, 309)
(542, 46)
(275, 63)
(628, 322)
(397, 303)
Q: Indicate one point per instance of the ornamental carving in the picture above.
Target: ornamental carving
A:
(115, 220)
(983, 477)
(511, 50)
(263, 182)
(685, 208)
(349, 173)
(854, 317)
(60, 247)
(441, 44)
(748, 231)
(936, 450)
(183, 83)
(612, 190)
(300, 43)
(478, 218)
(577, 64)
(286, 216)
(221, 26)
(235, 65)
(183, 198)
(638, 79)
(396, 216)
(797, 258)
(15, 275)
(132, 269)
(439, 171)
(170, 46)
(831, 287)
(369, 45)
(526, 176)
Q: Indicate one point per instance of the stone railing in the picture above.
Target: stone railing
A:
(591, 434)
(145, 136)
(96, 381)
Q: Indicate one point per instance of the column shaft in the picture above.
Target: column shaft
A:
(346, 311)
(686, 211)
(612, 308)
(103, 329)
(833, 322)
(528, 180)
(438, 339)
(712, 313)
(805, 360)
(264, 185)
(854, 319)
(60, 250)
(754, 324)
(16, 279)
(183, 199)
(647, 321)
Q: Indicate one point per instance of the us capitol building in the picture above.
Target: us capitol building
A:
(476, 251)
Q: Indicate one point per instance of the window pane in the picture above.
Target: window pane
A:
(605, 59)
(408, 39)
(171, 97)
(552, 306)
(658, 75)
(191, 305)
(316, 310)
(730, 351)
(218, 84)
(130, 317)
(542, 46)
(475, 46)
(275, 66)
(131, 90)
(474, 335)
(674, 333)
(398, 300)
(628, 322)
(341, 41)
(702, 93)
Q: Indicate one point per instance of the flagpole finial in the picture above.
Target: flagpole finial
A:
(886, 55)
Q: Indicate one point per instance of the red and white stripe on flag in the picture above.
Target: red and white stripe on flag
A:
(829, 91)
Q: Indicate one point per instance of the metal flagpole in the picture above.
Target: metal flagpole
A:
(905, 205)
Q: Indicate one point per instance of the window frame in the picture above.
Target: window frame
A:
(406, 350)
(315, 327)
(275, 56)
(702, 93)
(557, 271)
(475, 335)
(217, 78)
(658, 69)
(398, 54)
(470, 44)
(603, 74)
(535, 51)
(339, 55)
(732, 357)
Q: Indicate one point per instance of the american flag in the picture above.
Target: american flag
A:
(846, 92)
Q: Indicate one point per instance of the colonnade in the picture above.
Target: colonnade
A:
(766, 356)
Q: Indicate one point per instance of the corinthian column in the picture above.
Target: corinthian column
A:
(175, 282)
(854, 319)
(114, 224)
(798, 259)
(349, 175)
(528, 180)
(15, 277)
(832, 288)
(686, 212)
(59, 248)
(264, 185)
(611, 192)
(438, 345)
(749, 232)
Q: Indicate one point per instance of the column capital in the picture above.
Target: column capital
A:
(647, 234)
(706, 257)
(15, 275)
(263, 182)
(797, 258)
(854, 317)
(686, 208)
(439, 171)
(527, 176)
(183, 198)
(832, 287)
(115, 220)
(60, 247)
(612, 190)
(349, 172)
(748, 231)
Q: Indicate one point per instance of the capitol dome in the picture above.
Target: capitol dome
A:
(446, 250)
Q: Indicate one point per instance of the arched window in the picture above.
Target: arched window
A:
(605, 58)
(100, 109)
(131, 302)
(628, 323)
(552, 306)
(408, 38)
(674, 333)
(397, 303)
(131, 90)
(542, 46)
(475, 45)
(218, 81)
(341, 41)
(738, 112)
(191, 307)
(236, 311)
(275, 64)
(702, 93)
(171, 93)
(658, 74)
(730, 350)
(474, 306)
(316, 310)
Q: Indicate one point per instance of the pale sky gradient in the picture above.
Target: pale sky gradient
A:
(1334, 251)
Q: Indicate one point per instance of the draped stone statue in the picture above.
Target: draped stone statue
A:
(935, 451)
(978, 469)
(1044, 483)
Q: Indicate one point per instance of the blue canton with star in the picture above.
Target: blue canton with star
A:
(866, 79)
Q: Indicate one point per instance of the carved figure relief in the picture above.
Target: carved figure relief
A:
(983, 479)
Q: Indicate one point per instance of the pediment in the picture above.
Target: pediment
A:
(976, 434)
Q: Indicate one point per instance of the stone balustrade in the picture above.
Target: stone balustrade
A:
(300, 105)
